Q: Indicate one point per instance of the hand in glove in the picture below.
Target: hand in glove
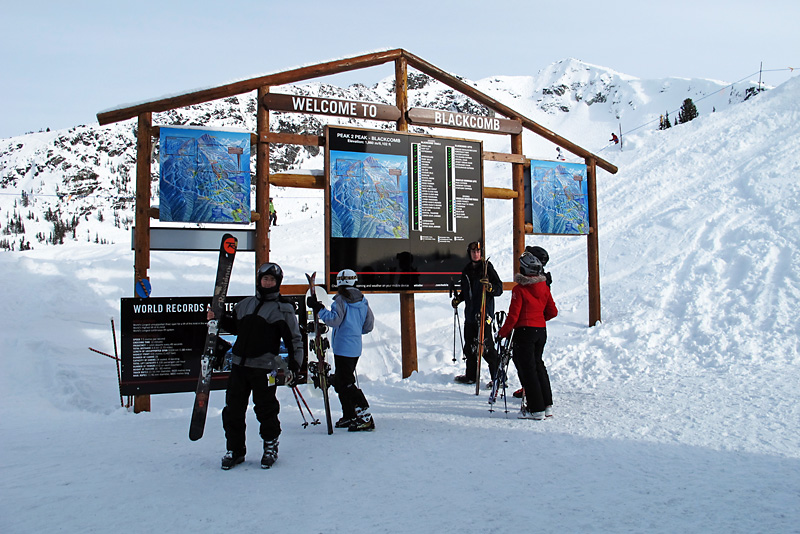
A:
(487, 284)
(290, 378)
(314, 304)
(455, 302)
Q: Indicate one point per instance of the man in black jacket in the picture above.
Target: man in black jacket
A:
(260, 323)
(477, 275)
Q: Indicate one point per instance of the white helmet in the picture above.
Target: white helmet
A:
(346, 277)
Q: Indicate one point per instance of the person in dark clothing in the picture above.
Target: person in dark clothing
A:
(531, 306)
(260, 323)
(350, 317)
(472, 283)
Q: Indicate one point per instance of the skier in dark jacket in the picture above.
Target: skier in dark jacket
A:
(472, 284)
(260, 323)
(531, 306)
(350, 317)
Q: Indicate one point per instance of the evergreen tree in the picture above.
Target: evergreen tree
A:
(667, 124)
(688, 111)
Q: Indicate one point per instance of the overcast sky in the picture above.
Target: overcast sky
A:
(63, 62)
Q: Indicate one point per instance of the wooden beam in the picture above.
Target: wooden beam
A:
(294, 139)
(504, 157)
(592, 245)
(408, 319)
(141, 235)
(518, 182)
(305, 181)
(236, 88)
(499, 193)
(262, 183)
(451, 81)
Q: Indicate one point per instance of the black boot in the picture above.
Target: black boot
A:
(270, 453)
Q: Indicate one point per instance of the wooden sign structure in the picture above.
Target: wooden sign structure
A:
(512, 125)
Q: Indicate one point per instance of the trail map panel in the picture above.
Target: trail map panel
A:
(402, 207)
(556, 199)
(205, 175)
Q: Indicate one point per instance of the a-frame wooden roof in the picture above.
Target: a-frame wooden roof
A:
(344, 65)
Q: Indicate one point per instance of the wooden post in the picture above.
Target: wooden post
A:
(141, 237)
(517, 181)
(408, 321)
(262, 180)
(592, 248)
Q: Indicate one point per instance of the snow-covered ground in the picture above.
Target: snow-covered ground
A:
(678, 413)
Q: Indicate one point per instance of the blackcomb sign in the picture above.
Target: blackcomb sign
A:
(463, 121)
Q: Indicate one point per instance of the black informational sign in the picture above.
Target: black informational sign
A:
(403, 207)
(163, 338)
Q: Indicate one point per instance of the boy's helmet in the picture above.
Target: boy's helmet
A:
(272, 269)
(529, 265)
(475, 245)
(346, 277)
(540, 253)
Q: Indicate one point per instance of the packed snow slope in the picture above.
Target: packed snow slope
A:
(679, 412)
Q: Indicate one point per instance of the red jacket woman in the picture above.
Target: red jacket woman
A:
(531, 307)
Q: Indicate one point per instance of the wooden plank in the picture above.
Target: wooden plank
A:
(262, 184)
(294, 139)
(499, 193)
(141, 233)
(305, 181)
(463, 121)
(331, 106)
(505, 158)
(592, 245)
(236, 88)
(518, 183)
(470, 91)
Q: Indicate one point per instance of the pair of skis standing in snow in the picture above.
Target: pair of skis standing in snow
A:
(261, 323)
(531, 306)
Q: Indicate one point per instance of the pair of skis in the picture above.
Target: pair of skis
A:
(227, 251)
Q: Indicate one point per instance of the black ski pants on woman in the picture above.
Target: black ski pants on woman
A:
(344, 382)
(529, 344)
(241, 382)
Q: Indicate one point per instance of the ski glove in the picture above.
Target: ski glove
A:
(487, 284)
(314, 304)
(291, 379)
(454, 302)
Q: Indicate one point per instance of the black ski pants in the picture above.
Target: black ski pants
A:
(344, 383)
(241, 382)
(471, 333)
(529, 344)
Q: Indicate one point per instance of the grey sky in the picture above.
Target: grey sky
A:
(62, 62)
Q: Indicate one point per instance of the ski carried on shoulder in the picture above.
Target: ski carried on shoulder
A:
(227, 251)
(320, 375)
(481, 329)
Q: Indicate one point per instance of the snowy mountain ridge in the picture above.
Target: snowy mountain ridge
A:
(54, 183)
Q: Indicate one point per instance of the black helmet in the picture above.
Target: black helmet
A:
(275, 271)
(540, 253)
(529, 265)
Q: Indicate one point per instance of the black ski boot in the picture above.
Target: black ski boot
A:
(362, 421)
(270, 453)
(231, 459)
(344, 422)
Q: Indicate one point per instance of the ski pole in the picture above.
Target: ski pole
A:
(119, 377)
(305, 423)
(314, 420)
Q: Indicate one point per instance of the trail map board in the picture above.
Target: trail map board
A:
(403, 207)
